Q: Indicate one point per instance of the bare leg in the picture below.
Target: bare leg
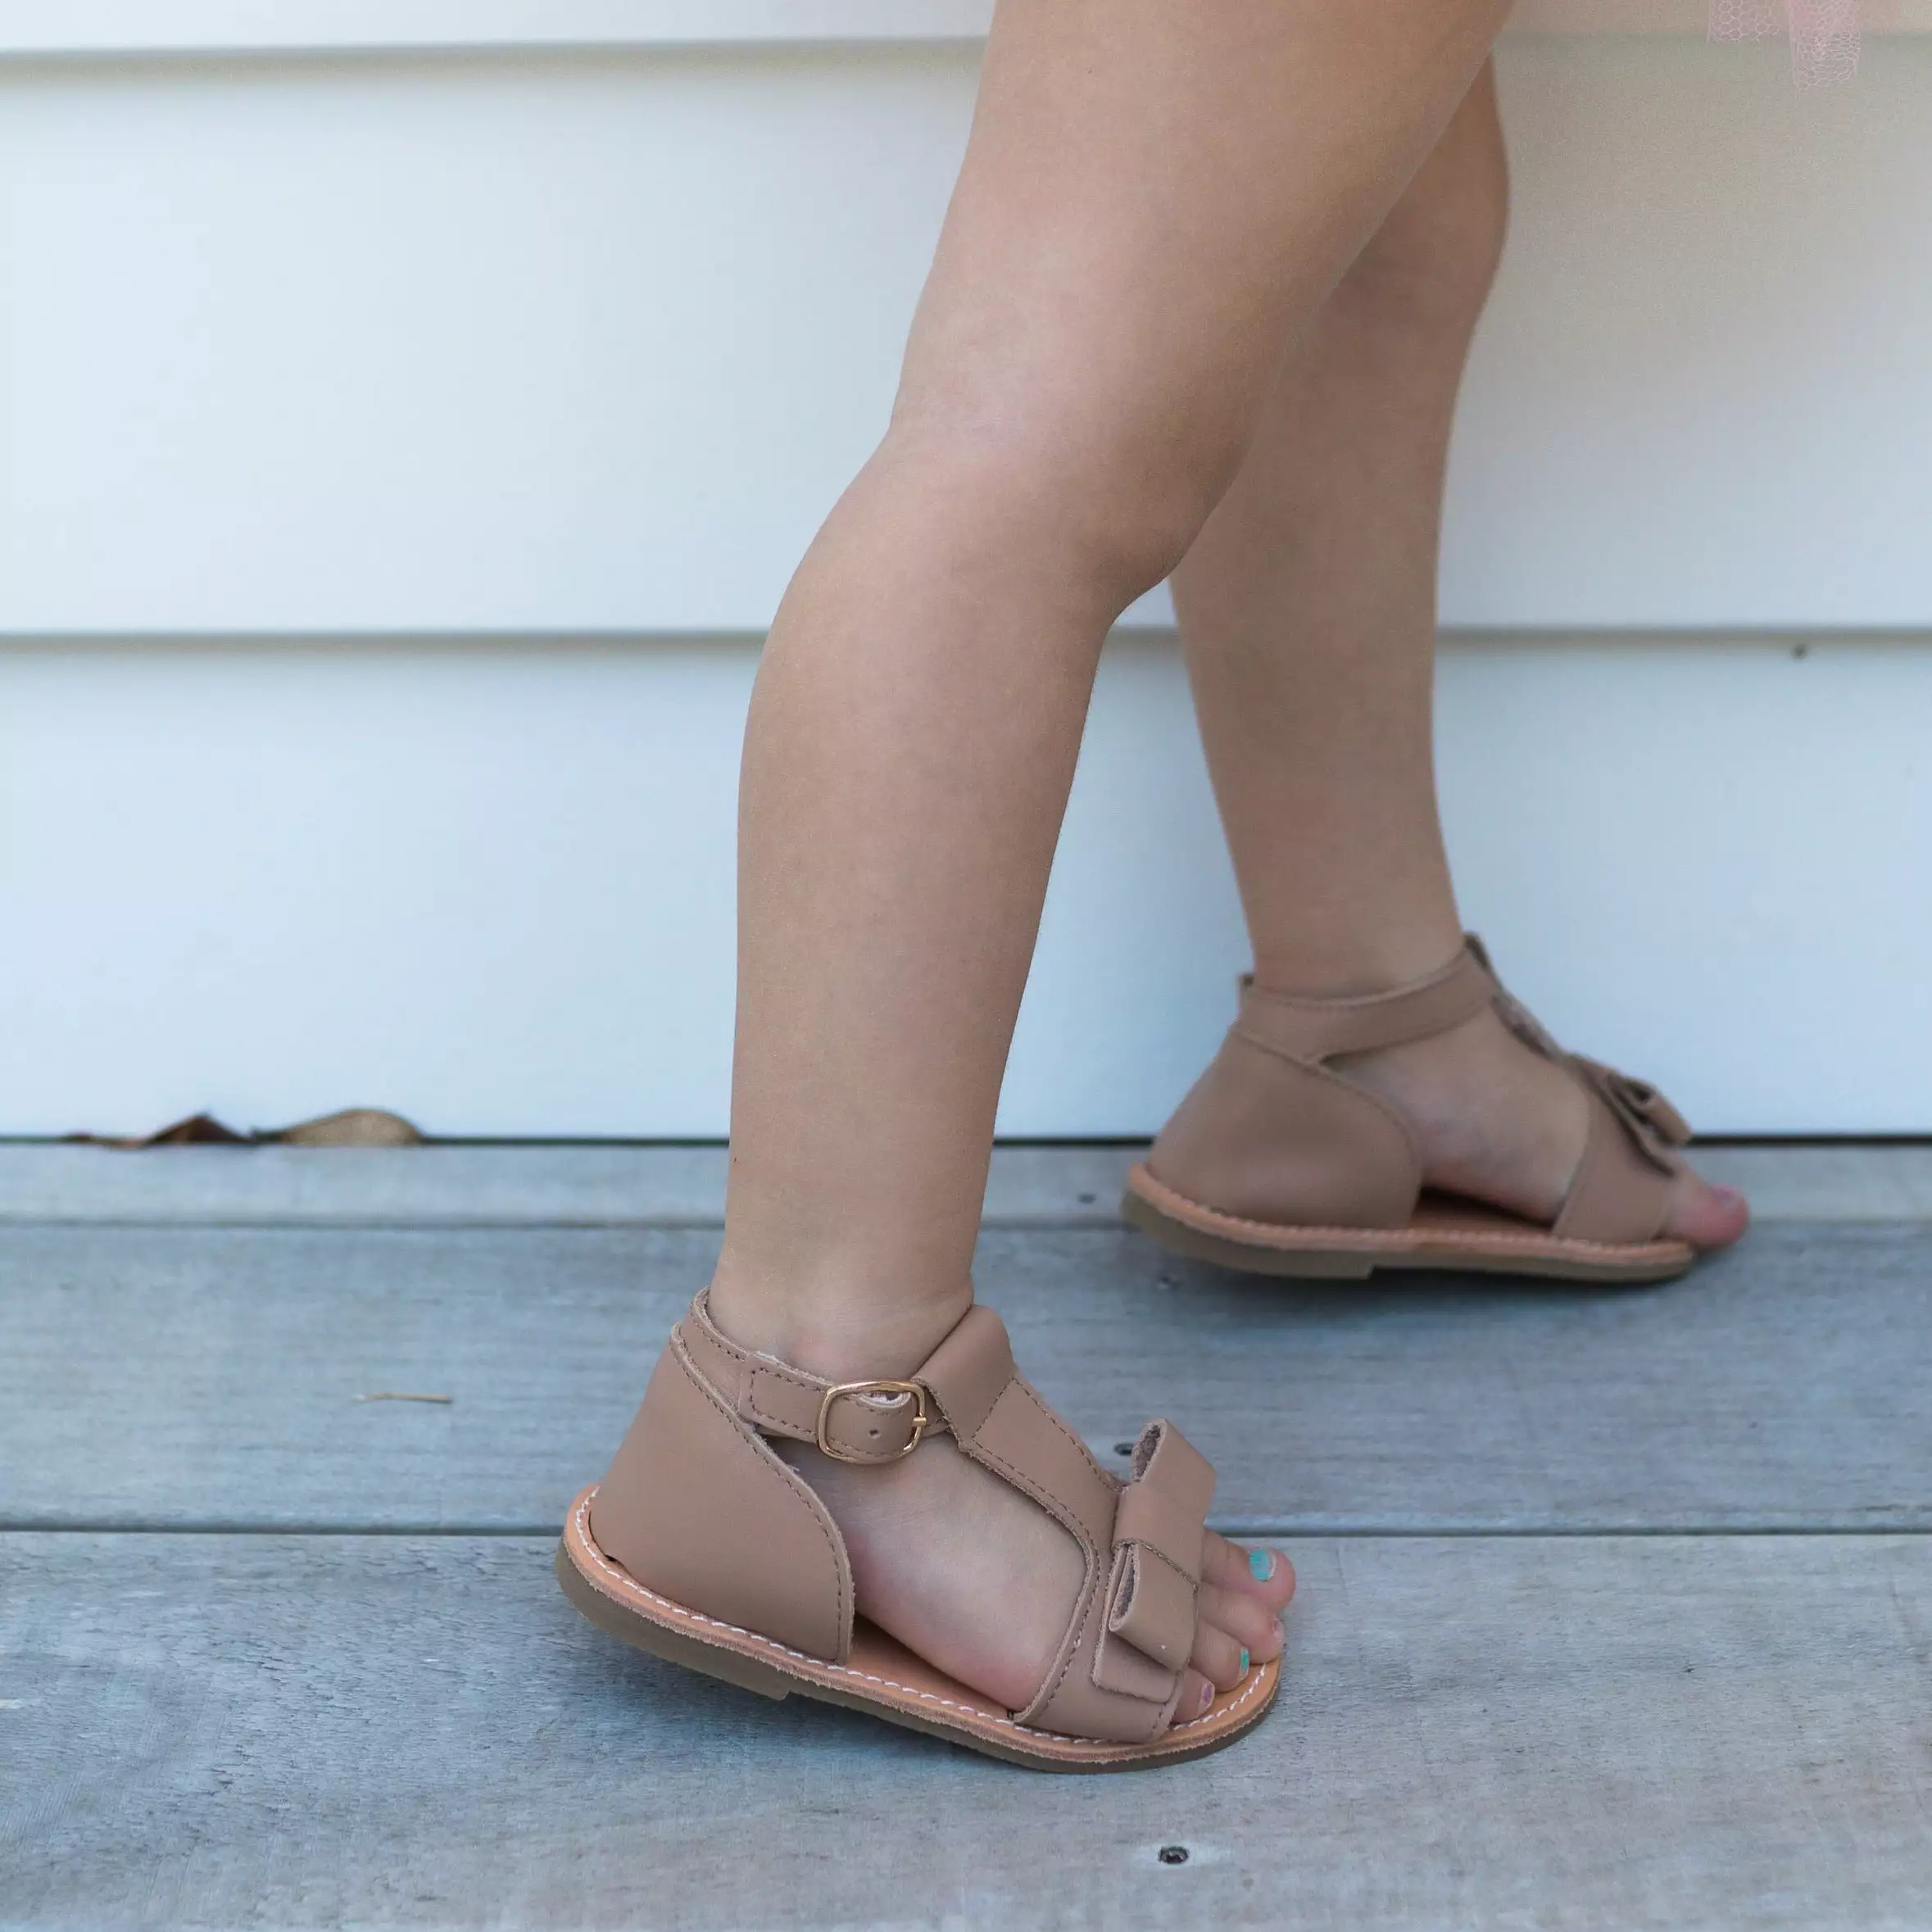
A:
(1156, 194)
(1308, 611)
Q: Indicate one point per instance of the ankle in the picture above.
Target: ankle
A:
(1335, 964)
(832, 1323)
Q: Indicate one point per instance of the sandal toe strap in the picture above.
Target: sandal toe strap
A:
(1130, 1633)
(1624, 1183)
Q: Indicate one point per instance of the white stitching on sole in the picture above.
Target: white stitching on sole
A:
(580, 1519)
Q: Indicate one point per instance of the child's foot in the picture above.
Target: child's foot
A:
(1313, 1143)
(967, 1521)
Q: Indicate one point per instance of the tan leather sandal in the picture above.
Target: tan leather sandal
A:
(703, 1547)
(1279, 1163)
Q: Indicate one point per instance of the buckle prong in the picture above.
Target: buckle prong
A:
(922, 1417)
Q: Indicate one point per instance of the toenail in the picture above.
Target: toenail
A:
(1261, 1564)
(1244, 1663)
(1207, 1695)
(1280, 1631)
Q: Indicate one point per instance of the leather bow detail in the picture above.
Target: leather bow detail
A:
(1160, 1525)
(1656, 1127)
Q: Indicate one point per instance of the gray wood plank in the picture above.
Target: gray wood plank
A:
(201, 1376)
(593, 1186)
(1651, 1732)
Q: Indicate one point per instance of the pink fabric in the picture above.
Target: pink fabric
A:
(1824, 33)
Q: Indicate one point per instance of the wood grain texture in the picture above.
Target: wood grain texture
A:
(1650, 1732)
(182, 1377)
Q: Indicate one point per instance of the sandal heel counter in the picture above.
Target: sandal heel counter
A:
(697, 1508)
(1266, 1137)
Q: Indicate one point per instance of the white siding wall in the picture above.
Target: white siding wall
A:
(399, 455)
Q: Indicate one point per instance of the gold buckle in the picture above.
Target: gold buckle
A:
(920, 1418)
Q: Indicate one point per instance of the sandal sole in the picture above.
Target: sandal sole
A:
(1461, 1237)
(881, 1678)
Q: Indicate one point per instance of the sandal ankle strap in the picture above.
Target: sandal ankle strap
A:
(1317, 1029)
(869, 1421)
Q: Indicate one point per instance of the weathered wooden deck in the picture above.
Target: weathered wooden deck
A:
(1617, 1609)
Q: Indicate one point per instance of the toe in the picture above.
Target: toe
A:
(1265, 1575)
(1232, 1630)
(1218, 1655)
(1197, 1693)
(1705, 1215)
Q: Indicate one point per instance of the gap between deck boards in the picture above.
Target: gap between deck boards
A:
(454, 1186)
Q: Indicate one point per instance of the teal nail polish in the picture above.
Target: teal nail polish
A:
(1261, 1563)
(1244, 1663)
